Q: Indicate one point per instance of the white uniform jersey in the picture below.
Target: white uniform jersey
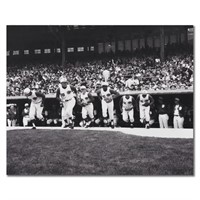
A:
(144, 100)
(66, 93)
(106, 95)
(127, 103)
(26, 111)
(84, 98)
(177, 108)
(35, 99)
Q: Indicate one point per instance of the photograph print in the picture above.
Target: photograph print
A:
(100, 100)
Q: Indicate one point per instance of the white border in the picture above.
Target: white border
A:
(97, 12)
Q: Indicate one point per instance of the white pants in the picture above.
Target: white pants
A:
(88, 110)
(36, 111)
(11, 122)
(178, 122)
(128, 115)
(49, 121)
(107, 107)
(163, 120)
(26, 119)
(144, 113)
(67, 109)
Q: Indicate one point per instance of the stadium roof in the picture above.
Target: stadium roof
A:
(22, 37)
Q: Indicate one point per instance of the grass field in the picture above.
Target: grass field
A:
(87, 152)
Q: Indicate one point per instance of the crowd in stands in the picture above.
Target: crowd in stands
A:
(176, 72)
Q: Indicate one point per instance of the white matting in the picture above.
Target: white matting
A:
(152, 132)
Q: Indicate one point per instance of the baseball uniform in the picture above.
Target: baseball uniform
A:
(127, 107)
(67, 100)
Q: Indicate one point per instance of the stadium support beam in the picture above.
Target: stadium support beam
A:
(179, 37)
(139, 43)
(63, 50)
(169, 38)
(131, 43)
(186, 35)
(104, 47)
(116, 45)
(145, 41)
(162, 44)
(153, 41)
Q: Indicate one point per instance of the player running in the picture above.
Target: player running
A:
(144, 101)
(85, 100)
(36, 106)
(107, 95)
(127, 103)
(65, 94)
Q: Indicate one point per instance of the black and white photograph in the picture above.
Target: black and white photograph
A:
(100, 100)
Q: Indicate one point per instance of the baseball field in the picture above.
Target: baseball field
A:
(96, 152)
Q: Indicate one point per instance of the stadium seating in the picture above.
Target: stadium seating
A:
(176, 72)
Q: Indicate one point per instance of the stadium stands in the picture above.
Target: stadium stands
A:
(176, 72)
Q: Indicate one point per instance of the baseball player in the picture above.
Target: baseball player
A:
(97, 86)
(25, 114)
(144, 101)
(85, 100)
(107, 95)
(162, 110)
(98, 111)
(127, 103)
(153, 114)
(37, 105)
(178, 114)
(65, 94)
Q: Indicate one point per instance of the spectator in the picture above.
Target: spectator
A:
(176, 72)
(132, 83)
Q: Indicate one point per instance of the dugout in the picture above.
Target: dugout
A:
(186, 98)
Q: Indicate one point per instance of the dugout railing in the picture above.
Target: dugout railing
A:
(186, 98)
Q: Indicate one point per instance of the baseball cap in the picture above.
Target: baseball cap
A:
(144, 91)
(27, 91)
(177, 99)
(98, 83)
(104, 84)
(82, 87)
(63, 80)
(26, 104)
